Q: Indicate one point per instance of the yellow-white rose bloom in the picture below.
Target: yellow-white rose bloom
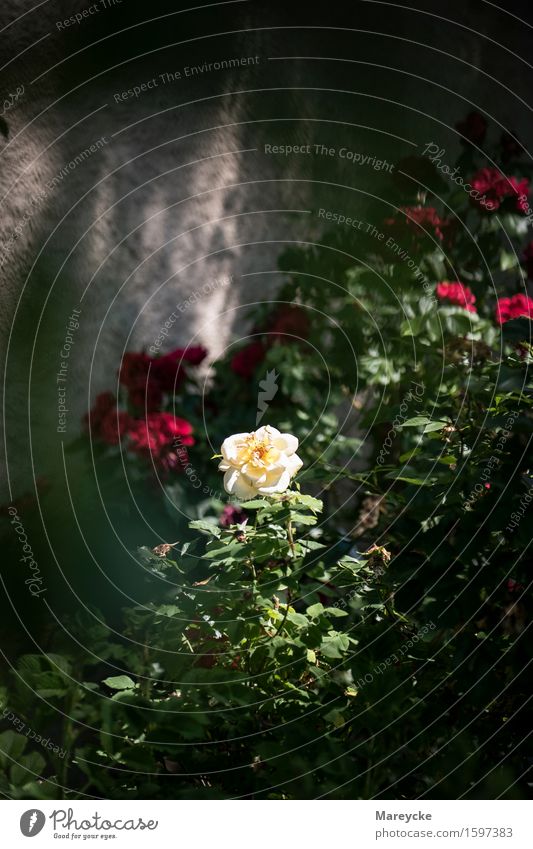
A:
(263, 461)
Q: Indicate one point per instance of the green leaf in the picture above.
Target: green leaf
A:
(206, 526)
(416, 421)
(314, 504)
(11, 746)
(435, 426)
(297, 619)
(508, 260)
(314, 610)
(29, 768)
(255, 504)
(335, 718)
(334, 646)
(119, 682)
(303, 519)
(336, 611)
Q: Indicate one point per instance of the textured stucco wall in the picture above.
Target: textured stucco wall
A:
(181, 193)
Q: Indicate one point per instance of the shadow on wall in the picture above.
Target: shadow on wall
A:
(151, 158)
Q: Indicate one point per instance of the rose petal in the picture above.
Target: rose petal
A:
(267, 433)
(280, 486)
(232, 446)
(287, 443)
(293, 464)
(236, 484)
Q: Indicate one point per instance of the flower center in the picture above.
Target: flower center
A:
(259, 452)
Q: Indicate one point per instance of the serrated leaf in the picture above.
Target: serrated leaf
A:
(206, 526)
(310, 501)
(255, 504)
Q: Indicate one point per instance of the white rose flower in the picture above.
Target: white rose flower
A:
(263, 461)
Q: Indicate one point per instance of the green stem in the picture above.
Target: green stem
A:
(290, 536)
(282, 623)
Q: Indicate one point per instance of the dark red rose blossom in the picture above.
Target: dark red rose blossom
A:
(168, 370)
(146, 378)
(494, 188)
(425, 217)
(232, 515)
(144, 390)
(513, 307)
(163, 437)
(458, 294)
(473, 128)
(289, 322)
(114, 426)
(527, 259)
(245, 361)
(134, 369)
(147, 397)
(157, 430)
(105, 421)
(103, 403)
(193, 355)
(418, 222)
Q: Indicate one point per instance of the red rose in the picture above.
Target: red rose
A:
(163, 436)
(194, 355)
(168, 370)
(495, 188)
(289, 322)
(134, 369)
(245, 361)
(167, 373)
(513, 307)
(418, 222)
(146, 378)
(473, 128)
(103, 403)
(458, 294)
(114, 426)
(105, 421)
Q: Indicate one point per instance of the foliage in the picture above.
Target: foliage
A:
(363, 634)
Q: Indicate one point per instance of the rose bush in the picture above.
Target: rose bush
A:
(359, 631)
